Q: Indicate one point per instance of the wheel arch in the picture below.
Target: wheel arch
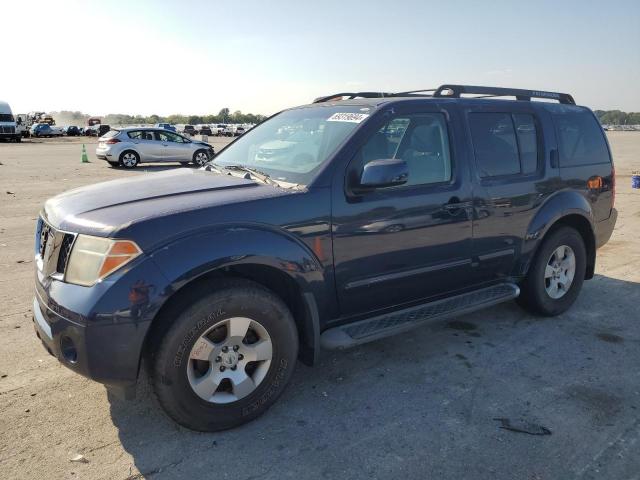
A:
(297, 279)
(564, 209)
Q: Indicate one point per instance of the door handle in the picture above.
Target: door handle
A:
(554, 160)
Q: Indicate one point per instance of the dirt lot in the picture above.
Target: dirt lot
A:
(420, 405)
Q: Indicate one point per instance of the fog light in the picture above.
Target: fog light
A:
(68, 349)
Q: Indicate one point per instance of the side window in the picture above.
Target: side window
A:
(504, 144)
(580, 138)
(169, 137)
(421, 140)
(136, 135)
(495, 144)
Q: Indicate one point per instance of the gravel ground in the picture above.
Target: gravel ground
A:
(420, 405)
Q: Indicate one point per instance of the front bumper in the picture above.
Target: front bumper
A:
(99, 331)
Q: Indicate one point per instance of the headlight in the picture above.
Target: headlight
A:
(93, 258)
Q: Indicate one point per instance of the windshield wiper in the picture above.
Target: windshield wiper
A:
(263, 177)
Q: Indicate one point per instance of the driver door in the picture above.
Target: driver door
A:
(174, 149)
(397, 245)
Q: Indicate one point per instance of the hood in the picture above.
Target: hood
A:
(105, 208)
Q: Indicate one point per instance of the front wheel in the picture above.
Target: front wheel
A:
(556, 275)
(227, 356)
(200, 157)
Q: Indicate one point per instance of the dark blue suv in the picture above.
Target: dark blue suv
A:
(329, 225)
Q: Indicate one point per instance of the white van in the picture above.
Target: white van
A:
(8, 124)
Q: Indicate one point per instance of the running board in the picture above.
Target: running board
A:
(370, 329)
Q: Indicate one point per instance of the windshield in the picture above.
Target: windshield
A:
(6, 117)
(291, 146)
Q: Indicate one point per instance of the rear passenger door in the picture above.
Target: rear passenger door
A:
(508, 147)
(149, 148)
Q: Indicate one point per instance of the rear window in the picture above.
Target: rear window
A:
(580, 138)
(504, 143)
(111, 133)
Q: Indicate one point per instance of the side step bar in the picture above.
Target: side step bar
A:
(370, 329)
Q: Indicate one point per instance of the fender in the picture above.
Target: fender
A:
(557, 206)
(190, 257)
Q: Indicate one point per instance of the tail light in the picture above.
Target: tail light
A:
(112, 141)
(613, 185)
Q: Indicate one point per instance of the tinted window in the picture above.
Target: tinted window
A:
(495, 145)
(136, 135)
(580, 138)
(421, 140)
(527, 141)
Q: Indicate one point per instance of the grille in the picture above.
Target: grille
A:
(53, 248)
(65, 251)
(5, 129)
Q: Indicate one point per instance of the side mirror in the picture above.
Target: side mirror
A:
(384, 173)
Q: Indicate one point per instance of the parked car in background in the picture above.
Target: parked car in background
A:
(71, 131)
(8, 124)
(189, 130)
(166, 126)
(45, 130)
(128, 147)
(218, 129)
(229, 131)
(239, 130)
(204, 130)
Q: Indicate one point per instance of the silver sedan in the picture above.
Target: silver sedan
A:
(128, 147)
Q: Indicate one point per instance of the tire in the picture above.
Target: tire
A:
(129, 159)
(18, 139)
(552, 267)
(200, 157)
(174, 370)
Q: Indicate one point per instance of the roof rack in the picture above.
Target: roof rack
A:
(353, 95)
(456, 91)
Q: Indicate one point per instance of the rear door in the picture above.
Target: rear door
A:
(507, 143)
(393, 246)
(147, 145)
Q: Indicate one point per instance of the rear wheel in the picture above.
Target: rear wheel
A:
(129, 159)
(226, 358)
(555, 278)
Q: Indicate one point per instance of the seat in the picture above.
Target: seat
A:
(425, 156)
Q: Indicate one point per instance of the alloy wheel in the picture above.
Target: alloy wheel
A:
(559, 272)
(229, 360)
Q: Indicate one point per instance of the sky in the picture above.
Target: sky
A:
(196, 57)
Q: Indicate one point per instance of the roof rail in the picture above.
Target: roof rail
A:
(353, 95)
(455, 91)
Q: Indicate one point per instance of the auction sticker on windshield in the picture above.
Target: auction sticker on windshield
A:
(347, 117)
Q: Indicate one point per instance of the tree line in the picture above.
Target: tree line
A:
(617, 117)
(223, 116)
